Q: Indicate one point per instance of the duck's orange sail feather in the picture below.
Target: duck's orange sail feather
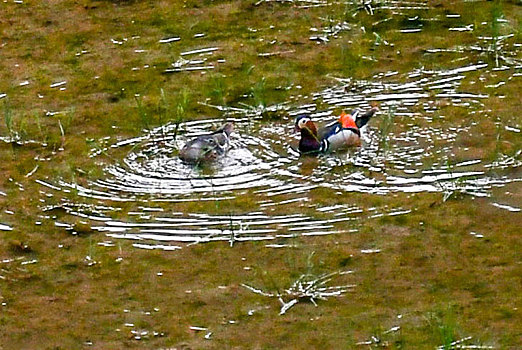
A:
(347, 121)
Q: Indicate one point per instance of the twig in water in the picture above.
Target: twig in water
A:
(29, 174)
(458, 344)
(307, 286)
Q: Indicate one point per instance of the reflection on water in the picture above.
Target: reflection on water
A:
(156, 229)
(4, 227)
(416, 159)
(153, 168)
(415, 154)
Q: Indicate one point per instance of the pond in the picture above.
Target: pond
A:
(410, 240)
(421, 155)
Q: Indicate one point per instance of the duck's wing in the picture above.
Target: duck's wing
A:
(221, 136)
(329, 130)
(362, 119)
(340, 133)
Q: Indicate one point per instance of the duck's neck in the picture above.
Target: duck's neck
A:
(309, 142)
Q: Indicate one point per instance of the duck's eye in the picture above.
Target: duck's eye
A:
(301, 123)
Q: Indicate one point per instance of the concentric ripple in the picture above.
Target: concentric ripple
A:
(420, 158)
(152, 167)
(411, 146)
(155, 228)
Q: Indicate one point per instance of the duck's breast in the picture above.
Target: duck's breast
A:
(343, 138)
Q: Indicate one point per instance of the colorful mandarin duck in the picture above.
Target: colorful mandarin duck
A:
(206, 148)
(342, 133)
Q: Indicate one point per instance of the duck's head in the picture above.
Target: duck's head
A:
(309, 142)
(303, 122)
(228, 128)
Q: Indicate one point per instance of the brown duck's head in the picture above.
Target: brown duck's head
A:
(309, 142)
(305, 124)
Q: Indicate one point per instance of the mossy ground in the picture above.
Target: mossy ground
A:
(443, 282)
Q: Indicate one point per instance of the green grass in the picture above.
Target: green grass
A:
(385, 129)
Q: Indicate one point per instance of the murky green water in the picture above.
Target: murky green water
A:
(394, 210)
(417, 157)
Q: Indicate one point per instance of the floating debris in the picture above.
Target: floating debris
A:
(89, 261)
(156, 246)
(513, 129)
(118, 42)
(277, 53)
(34, 261)
(4, 227)
(460, 344)
(82, 52)
(411, 30)
(331, 29)
(199, 51)
(305, 2)
(476, 235)
(58, 84)
(374, 340)
(393, 329)
(370, 251)
(190, 65)
(506, 207)
(29, 174)
(308, 287)
(468, 28)
(170, 40)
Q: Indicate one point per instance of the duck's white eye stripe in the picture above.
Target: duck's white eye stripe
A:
(303, 121)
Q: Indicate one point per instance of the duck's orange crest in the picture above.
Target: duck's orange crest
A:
(347, 121)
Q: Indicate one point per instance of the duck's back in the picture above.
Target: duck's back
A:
(206, 148)
(341, 133)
